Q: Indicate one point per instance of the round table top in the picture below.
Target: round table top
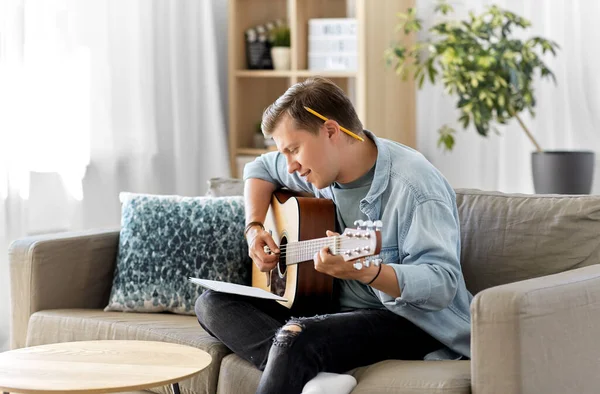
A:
(98, 366)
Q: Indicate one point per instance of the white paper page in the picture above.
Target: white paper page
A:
(233, 288)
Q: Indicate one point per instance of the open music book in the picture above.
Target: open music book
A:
(233, 288)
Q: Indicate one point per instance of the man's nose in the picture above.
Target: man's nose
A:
(293, 167)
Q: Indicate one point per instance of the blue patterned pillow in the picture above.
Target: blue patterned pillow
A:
(166, 239)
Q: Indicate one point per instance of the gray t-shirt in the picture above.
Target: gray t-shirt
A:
(352, 293)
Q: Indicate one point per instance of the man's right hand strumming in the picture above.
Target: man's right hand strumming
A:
(257, 197)
(257, 240)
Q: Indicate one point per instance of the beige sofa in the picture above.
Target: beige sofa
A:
(532, 262)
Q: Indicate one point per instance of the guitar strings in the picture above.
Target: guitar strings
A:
(306, 247)
(308, 244)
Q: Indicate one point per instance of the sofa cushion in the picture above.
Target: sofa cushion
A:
(408, 377)
(238, 376)
(166, 239)
(221, 187)
(510, 237)
(65, 325)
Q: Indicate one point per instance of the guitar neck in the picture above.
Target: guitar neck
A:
(299, 251)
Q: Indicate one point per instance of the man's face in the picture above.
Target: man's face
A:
(312, 156)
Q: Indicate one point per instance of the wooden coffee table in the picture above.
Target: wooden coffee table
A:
(99, 367)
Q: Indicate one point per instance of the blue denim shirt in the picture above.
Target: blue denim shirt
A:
(420, 238)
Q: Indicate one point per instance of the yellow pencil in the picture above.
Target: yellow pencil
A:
(318, 115)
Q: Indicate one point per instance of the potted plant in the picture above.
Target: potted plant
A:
(491, 73)
(280, 47)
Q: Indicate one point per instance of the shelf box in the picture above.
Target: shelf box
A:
(333, 27)
(332, 45)
(333, 62)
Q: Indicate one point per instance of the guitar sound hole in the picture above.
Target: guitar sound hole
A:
(282, 265)
(282, 269)
(278, 279)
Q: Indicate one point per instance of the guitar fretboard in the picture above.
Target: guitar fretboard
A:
(299, 251)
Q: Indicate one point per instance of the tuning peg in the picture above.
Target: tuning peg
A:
(377, 262)
(367, 263)
(378, 225)
(359, 224)
(369, 224)
(358, 266)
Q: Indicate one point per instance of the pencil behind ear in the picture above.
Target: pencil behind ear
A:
(331, 126)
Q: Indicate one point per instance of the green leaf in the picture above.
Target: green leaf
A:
(464, 119)
(446, 139)
(400, 70)
(400, 51)
(444, 8)
(481, 129)
(431, 71)
(421, 80)
(485, 61)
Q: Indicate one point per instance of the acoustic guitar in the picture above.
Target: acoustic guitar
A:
(298, 224)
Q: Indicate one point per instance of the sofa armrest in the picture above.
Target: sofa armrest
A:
(67, 270)
(538, 335)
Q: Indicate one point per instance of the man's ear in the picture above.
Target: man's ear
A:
(332, 128)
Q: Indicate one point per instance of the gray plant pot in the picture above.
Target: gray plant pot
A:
(562, 172)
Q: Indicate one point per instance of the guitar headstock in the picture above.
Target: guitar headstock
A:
(362, 241)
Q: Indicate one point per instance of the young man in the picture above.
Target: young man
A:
(415, 307)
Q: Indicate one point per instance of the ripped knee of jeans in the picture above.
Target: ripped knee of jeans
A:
(286, 334)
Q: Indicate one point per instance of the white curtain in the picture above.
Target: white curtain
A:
(567, 114)
(103, 96)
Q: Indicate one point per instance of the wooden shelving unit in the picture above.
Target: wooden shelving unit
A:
(385, 104)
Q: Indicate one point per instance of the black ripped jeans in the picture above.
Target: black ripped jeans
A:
(252, 328)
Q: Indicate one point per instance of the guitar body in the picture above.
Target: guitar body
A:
(291, 219)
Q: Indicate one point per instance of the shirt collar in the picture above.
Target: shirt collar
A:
(382, 169)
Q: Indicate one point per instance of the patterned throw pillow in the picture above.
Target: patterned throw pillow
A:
(166, 239)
